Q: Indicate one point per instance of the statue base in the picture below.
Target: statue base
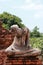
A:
(29, 57)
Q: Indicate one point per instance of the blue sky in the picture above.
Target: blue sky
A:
(30, 11)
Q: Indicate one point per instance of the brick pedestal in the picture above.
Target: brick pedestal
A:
(18, 60)
(23, 61)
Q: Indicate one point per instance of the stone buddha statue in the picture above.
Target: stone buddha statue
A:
(21, 39)
(20, 45)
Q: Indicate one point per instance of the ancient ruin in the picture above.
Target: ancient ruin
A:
(15, 48)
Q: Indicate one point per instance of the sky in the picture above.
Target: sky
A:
(30, 11)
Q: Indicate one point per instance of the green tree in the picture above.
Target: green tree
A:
(9, 19)
(35, 32)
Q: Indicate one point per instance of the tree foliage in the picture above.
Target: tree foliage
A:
(37, 42)
(9, 19)
(35, 32)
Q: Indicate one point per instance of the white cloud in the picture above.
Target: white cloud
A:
(38, 7)
(2, 0)
(31, 5)
(38, 15)
(27, 6)
(28, 1)
(5, 0)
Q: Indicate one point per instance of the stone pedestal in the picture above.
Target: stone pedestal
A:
(20, 58)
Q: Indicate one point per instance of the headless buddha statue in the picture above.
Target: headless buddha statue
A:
(21, 39)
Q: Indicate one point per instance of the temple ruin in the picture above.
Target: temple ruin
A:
(15, 48)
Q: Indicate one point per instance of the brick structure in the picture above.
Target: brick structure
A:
(11, 58)
(6, 37)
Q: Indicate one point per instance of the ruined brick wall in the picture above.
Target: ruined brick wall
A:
(6, 38)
